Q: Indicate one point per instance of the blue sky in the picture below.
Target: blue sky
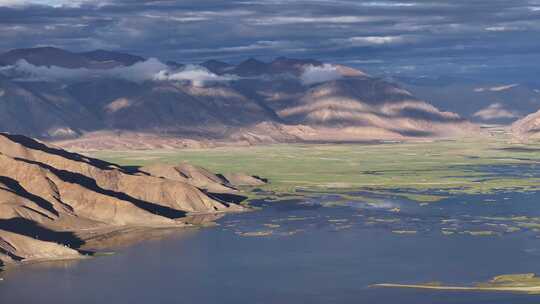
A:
(473, 37)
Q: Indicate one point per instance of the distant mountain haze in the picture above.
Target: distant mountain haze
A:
(55, 94)
(50, 56)
(479, 101)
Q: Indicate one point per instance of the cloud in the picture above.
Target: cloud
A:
(154, 70)
(389, 4)
(497, 88)
(317, 74)
(495, 111)
(284, 20)
(375, 40)
(398, 32)
(501, 28)
(365, 61)
(151, 69)
(197, 75)
(258, 45)
(138, 72)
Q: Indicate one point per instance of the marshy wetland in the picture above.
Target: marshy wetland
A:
(434, 222)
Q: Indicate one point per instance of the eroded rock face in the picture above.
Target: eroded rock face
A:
(46, 193)
(15, 247)
(196, 176)
(204, 179)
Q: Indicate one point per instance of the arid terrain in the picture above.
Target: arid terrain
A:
(51, 199)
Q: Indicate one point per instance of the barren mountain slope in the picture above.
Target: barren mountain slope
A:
(527, 128)
(47, 193)
(42, 109)
(51, 56)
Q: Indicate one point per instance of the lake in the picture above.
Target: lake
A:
(308, 251)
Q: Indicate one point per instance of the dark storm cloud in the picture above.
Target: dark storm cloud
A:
(398, 35)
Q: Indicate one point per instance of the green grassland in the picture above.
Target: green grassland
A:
(449, 167)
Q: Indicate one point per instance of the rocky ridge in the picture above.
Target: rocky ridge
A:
(49, 198)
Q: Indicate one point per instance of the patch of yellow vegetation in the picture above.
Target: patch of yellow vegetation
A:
(272, 225)
(480, 233)
(256, 233)
(404, 231)
(517, 283)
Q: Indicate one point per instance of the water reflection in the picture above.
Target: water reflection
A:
(303, 251)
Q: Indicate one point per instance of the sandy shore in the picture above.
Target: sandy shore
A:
(518, 289)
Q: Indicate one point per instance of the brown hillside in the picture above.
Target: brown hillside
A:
(47, 194)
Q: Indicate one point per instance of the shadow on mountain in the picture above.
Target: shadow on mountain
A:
(134, 170)
(426, 115)
(11, 255)
(304, 118)
(345, 142)
(262, 179)
(34, 230)
(413, 133)
(534, 130)
(91, 184)
(16, 188)
(227, 198)
(519, 149)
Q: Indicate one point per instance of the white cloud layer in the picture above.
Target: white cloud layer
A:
(375, 40)
(284, 20)
(151, 69)
(199, 76)
(388, 4)
(317, 74)
(495, 111)
(497, 88)
(138, 72)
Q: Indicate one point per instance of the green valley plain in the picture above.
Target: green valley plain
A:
(453, 166)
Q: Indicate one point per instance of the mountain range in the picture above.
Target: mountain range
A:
(103, 99)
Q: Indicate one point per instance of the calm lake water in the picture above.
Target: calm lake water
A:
(314, 254)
